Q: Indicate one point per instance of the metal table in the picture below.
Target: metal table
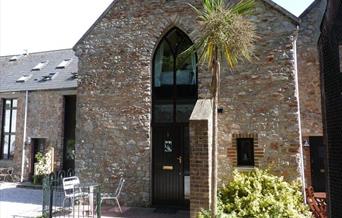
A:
(90, 189)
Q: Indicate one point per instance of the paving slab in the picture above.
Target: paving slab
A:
(19, 202)
(137, 212)
(27, 203)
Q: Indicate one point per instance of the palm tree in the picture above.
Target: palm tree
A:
(226, 34)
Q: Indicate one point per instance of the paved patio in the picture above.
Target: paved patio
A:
(23, 202)
(143, 213)
(19, 202)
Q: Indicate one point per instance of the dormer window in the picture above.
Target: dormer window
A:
(40, 66)
(64, 64)
(24, 78)
(14, 58)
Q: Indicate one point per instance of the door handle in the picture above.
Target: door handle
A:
(179, 159)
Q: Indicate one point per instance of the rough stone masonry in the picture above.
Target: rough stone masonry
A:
(114, 94)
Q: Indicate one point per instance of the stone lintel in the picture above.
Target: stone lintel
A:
(202, 110)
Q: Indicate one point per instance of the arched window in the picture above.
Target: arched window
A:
(174, 79)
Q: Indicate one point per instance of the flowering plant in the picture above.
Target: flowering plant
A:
(43, 165)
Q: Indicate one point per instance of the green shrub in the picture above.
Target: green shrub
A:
(261, 195)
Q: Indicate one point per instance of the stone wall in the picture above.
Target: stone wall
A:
(308, 70)
(309, 77)
(45, 119)
(114, 94)
(259, 98)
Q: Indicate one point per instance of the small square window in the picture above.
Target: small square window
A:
(245, 151)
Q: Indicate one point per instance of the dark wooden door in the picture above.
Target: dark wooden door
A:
(317, 153)
(69, 132)
(168, 156)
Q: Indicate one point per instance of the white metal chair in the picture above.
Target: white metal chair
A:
(115, 195)
(72, 190)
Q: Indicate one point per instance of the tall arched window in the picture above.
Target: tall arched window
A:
(174, 96)
(174, 79)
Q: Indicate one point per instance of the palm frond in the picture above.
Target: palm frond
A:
(243, 7)
(225, 32)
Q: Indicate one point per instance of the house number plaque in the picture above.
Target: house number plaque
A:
(168, 146)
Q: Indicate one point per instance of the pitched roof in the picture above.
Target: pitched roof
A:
(274, 5)
(308, 9)
(283, 11)
(48, 77)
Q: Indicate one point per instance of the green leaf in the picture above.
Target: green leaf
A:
(225, 32)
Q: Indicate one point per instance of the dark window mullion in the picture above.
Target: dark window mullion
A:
(2, 141)
(10, 130)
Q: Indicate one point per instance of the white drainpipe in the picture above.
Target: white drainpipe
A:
(299, 118)
(24, 139)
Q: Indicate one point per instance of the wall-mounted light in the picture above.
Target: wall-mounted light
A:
(306, 143)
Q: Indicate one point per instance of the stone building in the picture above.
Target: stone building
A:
(37, 103)
(310, 93)
(142, 116)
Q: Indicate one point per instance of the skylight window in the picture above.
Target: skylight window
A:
(40, 66)
(48, 77)
(24, 78)
(63, 64)
(14, 58)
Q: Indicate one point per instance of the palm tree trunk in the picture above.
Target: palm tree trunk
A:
(215, 92)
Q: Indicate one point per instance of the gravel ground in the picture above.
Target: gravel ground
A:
(19, 202)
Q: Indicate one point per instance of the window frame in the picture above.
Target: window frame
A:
(10, 132)
(241, 163)
(173, 89)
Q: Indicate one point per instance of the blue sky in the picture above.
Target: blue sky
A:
(296, 7)
(41, 25)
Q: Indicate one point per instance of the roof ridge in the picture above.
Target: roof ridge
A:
(283, 11)
(270, 2)
(309, 8)
(103, 14)
(37, 52)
